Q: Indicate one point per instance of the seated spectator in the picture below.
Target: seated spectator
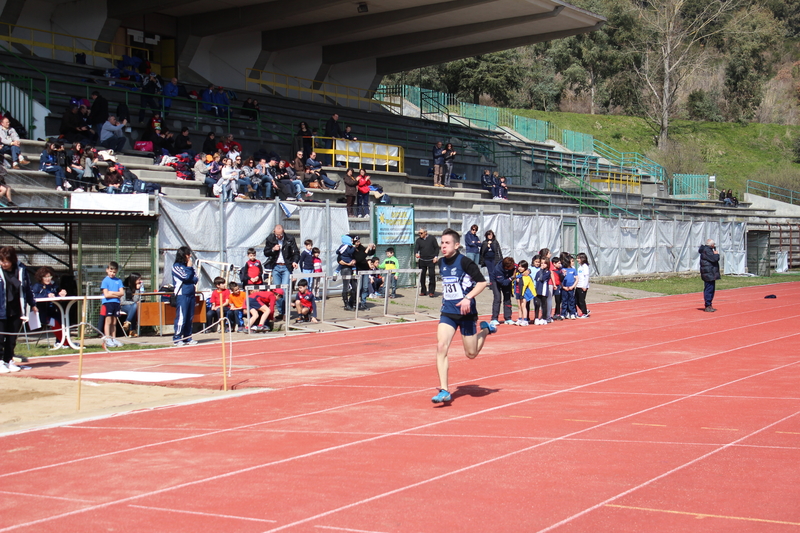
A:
(88, 163)
(98, 113)
(45, 287)
(271, 178)
(487, 182)
(154, 127)
(316, 168)
(10, 144)
(129, 303)
(113, 180)
(111, 136)
(214, 173)
(227, 180)
(730, 199)
(722, 195)
(207, 97)
(200, 167)
(5, 188)
(219, 303)
(304, 303)
(348, 134)
(210, 143)
(297, 183)
(262, 309)
(74, 170)
(236, 309)
(501, 189)
(183, 144)
(228, 144)
(170, 91)
(48, 162)
(221, 101)
(72, 126)
(249, 109)
(163, 143)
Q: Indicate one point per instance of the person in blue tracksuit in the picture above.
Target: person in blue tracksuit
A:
(185, 279)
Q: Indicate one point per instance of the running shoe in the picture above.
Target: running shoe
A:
(494, 323)
(442, 397)
(4, 368)
(489, 326)
(191, 342)
(511, 323)
(522, 322)
(178, 344)
(12, 367)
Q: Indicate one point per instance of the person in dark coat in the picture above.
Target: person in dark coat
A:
(426, 251)
(98, 114)
(491, 253)
(709, 271)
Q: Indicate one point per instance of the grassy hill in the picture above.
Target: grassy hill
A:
(733, 152)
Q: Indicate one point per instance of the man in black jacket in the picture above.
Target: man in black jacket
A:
(709, 271)
(281, 255)
(334, 131)
(98, 114)
(426, 250)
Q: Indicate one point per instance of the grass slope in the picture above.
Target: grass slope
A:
(733, 152)
(687, 285)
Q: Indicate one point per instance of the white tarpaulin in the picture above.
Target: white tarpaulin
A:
(100, 201)
(326, 232)
(367, 153)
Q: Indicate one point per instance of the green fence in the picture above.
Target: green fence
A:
(531, 128)
(583, 143)
(690, 186)
(771, 191)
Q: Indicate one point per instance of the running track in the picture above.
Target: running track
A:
(649, 416)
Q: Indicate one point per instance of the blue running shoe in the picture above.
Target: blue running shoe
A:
(442, 397)
(489, 326)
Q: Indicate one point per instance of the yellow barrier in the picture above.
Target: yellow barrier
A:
(617, 181)
(117, 50)
(304, 89)
(361, 154)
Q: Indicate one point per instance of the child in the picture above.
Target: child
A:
(555, 283)
(219, 302)
(263, 302)
(568, 290)
(502, 188)
(537, 304)
(544, 290)
(583, 284)
(390, 263)
(375, 280)
(46, 288)
(112, 290)
(236, 309)
(252, 272)
(317, 270)
(304, 304)
(524, 292)
(307, 259)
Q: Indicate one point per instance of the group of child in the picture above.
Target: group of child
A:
(555, 286)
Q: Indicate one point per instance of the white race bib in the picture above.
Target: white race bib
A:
(452, 288)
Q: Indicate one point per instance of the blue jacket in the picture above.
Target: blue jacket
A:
(184, 278)
(472, 243)
(541, 281)
(207, 96)
(47, 160)
(438, 155)
(25, 293)
(501, 276)
(169, 90)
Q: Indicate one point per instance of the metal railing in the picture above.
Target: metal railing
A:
(63, 46)
(367, 155)
(15, 98)
(614, 181)
(772, 192)
(307, 89)
(585, 194)
(582, 143)
(690, 186)
(632, 160)
(531, 128)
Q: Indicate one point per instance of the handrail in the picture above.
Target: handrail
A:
(772, 192)
(630, 160)
(46, 93)
(364, 153)
(588, 188)
(72, 49)
(311, 88)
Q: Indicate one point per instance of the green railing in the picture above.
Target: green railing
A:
(587, 196)
(531, 128)
(690, 186)
(493, 117)
(582, 143)
(772, 192)
(630, 160)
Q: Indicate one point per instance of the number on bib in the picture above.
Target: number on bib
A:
(452, 288)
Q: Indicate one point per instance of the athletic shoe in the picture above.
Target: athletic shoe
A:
(493, 323)
(12, 367)
(572, 317)
(709, 309)
(79, 189)
(309, 194)
(442, 397)
(191, 342)
(4, 369)
(488, 325)
(60, 189)
(117, 343)
(178, 344)
(522, 322)
(511, 323)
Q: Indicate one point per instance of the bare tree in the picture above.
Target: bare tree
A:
(671, 49)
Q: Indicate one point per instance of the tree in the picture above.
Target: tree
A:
(672, 49)
(497, 74)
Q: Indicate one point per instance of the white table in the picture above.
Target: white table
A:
(64, 304)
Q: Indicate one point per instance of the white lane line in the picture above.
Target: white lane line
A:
(213, 515)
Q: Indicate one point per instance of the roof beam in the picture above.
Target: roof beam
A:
(330, 30)
(231, 19)
(382, 46)
(399, 63)
(120, 9)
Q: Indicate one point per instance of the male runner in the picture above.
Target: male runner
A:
(463, 281)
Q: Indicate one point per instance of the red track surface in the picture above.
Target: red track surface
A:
(649, 416)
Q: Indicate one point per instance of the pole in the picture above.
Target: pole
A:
(222, 336)
(222, 238)
(80, 352)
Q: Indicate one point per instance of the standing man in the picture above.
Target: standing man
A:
(334, 131)
(426, 250)
(282, 255)
(462, 281)
(709, 271)
(150, 88)
(98, 114)
(438, 164)
(170, 90)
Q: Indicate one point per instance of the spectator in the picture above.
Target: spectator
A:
(228, 144)
(170, 91)
(48, 162)
(45, 287)
(150, 87)
(15, 299)
(299, 189)
(113, 180)
(210, 143)
(282, 254)
(267, 180)
(221, 101)
(299, 165)
(487, 182)
(111, 136)
(350, 191)
(730, 199)
(501, 277)
(99, 112)
(426, 250)
(5, 188)
(491, 253)
(722, 195)
(360, 254)
(74, 169)
(263, 303)
(129, 303)
(10, 144)
(348, 134)
(220, 300)
(472, 244)
(345, 265)
(83, 113)
(250, 109)
(214, 173)
(154, 127)
(207, 97)
(449, 163)
(501, 189)
(247, 171)
(438, 164)
(183, 143)
(88, 163)
(271, 178)
(72, 127)
(333, 131)
(123, 114)
(364, 184)
(304, 141)
(227, 180)
(316, 168)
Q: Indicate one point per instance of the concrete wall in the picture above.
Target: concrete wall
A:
(782, 209)
(223, 60)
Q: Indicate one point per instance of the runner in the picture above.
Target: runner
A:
(462, 281)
